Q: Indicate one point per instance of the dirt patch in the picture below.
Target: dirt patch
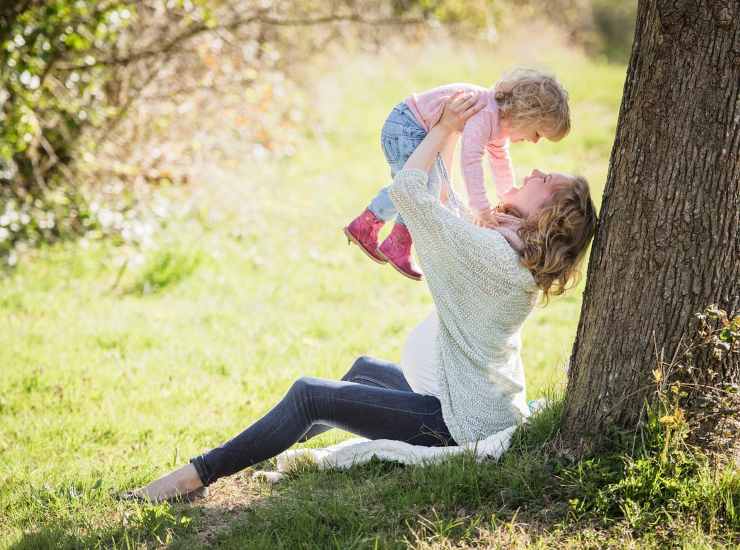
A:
(228, 502)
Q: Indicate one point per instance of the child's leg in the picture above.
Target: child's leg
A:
(439, 179)
(382, 205)
(396, 248)
(401, 134)
(397, 150)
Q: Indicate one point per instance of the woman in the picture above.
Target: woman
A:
(462, 378)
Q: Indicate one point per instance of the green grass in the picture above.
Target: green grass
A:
(107, 383)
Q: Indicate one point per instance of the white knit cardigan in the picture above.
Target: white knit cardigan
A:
(483, 295)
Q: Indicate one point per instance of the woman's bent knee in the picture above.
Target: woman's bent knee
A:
(306, 386)
(301, 384)
(361, 362)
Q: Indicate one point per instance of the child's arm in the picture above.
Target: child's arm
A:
(475, 136)
(501, 166)
(503, 178)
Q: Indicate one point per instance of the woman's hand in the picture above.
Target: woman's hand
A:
(458, 109)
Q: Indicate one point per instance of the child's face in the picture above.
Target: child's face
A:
(524, 134)
(537, 190)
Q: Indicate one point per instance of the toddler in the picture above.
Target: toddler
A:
(525, 104)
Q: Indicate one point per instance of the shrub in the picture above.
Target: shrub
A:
(658, 472)
(96, 91)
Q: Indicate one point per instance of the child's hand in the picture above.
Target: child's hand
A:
(458, 109)
(485, 218)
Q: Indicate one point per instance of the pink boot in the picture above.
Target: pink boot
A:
(396, 248)
(363, 231)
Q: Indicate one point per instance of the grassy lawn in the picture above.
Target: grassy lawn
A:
(250, 285)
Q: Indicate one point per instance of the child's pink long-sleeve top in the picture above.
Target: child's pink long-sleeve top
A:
(482, 133)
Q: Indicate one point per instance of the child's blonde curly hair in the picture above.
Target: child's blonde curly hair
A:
(530, 98)
(556, 237)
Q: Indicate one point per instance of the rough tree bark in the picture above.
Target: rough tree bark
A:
(667, 243)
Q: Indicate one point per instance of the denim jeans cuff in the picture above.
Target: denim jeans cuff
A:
(202, 468)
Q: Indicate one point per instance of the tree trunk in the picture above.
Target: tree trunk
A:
(667, 242)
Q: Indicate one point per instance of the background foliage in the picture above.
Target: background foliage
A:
(100, 100)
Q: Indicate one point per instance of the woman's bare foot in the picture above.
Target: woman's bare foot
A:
(177, 484)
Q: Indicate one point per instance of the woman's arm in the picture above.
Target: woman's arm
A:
(448, 151)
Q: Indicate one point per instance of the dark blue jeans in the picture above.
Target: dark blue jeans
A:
(372, 400)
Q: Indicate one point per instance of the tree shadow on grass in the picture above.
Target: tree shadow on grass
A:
(114, 524)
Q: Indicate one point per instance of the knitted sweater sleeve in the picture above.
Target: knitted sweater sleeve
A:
(452, 248)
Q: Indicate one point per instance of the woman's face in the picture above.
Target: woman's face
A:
(536, 190)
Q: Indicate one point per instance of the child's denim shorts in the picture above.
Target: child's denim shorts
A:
(401, 134)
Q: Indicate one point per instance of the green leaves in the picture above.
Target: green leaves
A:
(43, 40)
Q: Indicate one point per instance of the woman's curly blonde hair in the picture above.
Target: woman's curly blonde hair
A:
(556, 237)
(530, 98)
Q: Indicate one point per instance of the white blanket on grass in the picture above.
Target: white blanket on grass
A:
(360, 450)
